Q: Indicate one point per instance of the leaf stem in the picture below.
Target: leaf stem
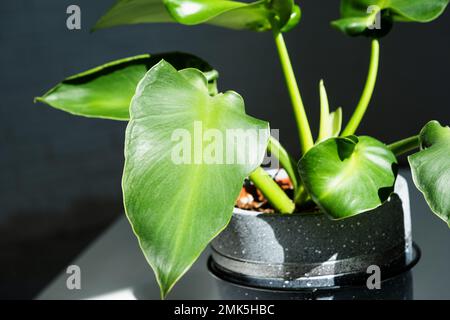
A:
(286, 161)
(272, 191)
(304, 131)
(364, 101)
(403, 146)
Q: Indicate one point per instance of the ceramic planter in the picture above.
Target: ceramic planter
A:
(308, 251)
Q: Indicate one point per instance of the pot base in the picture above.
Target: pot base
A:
(396, 284)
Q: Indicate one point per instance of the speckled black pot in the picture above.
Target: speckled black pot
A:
(309, 251)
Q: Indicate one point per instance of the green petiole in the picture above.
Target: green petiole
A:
(364, 101)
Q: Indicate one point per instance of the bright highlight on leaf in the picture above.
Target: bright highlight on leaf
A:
(431, 168)
(347, 176)
(176, 209)
(257, 15)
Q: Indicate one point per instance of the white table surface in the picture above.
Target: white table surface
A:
(113, 267)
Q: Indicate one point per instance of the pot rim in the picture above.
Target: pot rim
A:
(313, 212)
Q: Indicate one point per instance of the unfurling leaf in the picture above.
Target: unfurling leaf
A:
(330, 123)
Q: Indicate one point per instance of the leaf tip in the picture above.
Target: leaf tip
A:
(39, 99)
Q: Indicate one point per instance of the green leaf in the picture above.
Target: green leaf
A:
(230, 14)
(358, 15)
(330, 123)
(125, 12)
(431, 168)
(347, 176)
(106, 91)
(176, 207)
(256, 15)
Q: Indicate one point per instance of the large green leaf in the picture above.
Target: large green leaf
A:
(347, 176)
(431, 168)
(256, 15)
(356, 15)
(106, 91)
(176, 207)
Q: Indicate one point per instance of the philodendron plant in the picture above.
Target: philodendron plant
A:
(177, 207)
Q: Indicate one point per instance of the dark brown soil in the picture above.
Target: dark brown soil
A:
(251, 198)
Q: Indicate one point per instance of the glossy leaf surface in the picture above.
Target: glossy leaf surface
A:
(106, 91)
(256, 15)
(347, 176)
(375, 17)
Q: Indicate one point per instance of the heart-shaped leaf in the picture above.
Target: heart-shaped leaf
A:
(179, 191)
(256, 15)
(106, 91)
(375, 17)
(431, 168)
(347, 176)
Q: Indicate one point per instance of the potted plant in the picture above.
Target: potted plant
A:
(188, 149)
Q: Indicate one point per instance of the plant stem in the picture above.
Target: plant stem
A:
(286, 161)
(403, 146)
(304, 131)
(272, 191)
(364, 101)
